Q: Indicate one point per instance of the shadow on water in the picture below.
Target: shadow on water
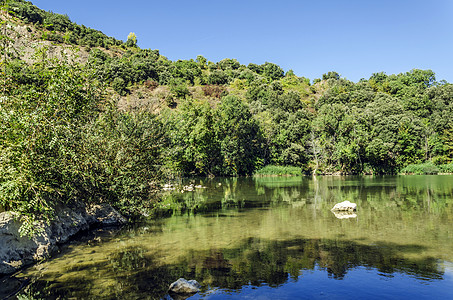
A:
(133, 273)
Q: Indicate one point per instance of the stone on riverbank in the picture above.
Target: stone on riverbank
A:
(17, 252)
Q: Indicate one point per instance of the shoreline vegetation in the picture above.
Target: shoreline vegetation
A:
(86, 117)
(427, 168)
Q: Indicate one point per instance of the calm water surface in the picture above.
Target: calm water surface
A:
(270, 238)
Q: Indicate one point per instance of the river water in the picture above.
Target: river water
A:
(270, 238)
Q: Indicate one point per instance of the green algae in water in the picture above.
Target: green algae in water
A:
(272, 238)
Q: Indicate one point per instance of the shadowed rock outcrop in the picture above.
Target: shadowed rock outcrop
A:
(17, 252)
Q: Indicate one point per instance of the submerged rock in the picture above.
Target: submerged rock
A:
(182, 286)
(17, 252)
(345, 206)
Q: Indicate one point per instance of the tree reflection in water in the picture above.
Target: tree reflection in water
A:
(135, 273)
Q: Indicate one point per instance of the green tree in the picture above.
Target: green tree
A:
(202, 62)
(272, 71)
(241, 141)
(194, 149)
(131, 40)
(331, 75)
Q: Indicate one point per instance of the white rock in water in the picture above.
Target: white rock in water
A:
(182, 286)
(345, 206)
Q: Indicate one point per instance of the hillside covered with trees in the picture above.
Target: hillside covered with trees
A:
(115, 125)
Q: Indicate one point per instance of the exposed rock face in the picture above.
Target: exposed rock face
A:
(17, 252)
(345, 206)
(182, 286)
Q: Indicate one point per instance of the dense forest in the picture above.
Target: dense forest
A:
(64, 134)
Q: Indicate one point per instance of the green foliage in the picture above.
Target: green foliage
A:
(179, 90)
(131, 40)
(279, 170)
(119, 85)
(122, 159)
(272, 71)
(43, 113)
(194, 148)
(421, 169)
(61, 142)
(228, 64)
(241, 142)
(187, 70)
(217, 77)
(445, 168)
(202, 62)
(331, 75)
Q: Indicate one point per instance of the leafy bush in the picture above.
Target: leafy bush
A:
(179, 90)
(120, 86)
(446, 168)
(41, 127)
(217, 77)
(122, 159)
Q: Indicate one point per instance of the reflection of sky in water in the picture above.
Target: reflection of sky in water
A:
(361, 283)
(447, 268)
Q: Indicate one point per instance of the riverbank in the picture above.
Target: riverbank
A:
(19, 251)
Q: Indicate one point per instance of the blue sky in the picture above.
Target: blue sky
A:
(354, 38)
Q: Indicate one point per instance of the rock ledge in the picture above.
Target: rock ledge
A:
(17, 252)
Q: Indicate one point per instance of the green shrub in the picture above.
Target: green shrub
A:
(122, 159)
(120, 85)
(179, 91)
(44, 112)
(446, 168)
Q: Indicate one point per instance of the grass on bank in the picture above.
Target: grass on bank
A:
(427, 168)
(272, 170)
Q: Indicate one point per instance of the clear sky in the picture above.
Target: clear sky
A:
(352, 37)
